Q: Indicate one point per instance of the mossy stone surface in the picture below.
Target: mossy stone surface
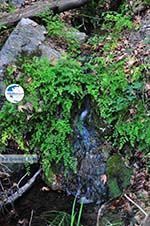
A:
(118, 175)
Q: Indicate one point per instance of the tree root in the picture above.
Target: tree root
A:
(10, 199)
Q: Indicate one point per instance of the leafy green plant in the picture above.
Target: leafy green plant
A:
(112, 25)
(116, 22)
(115, 98)
(2, 27)
(134, 131)
(53, 23)
(58, 29)
(43, 120)
(73, 215)
(56, 218)
(95, 40)
(7, 7)
(118, 97)
(60, 218)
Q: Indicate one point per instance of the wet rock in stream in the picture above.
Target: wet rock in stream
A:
(88, 184)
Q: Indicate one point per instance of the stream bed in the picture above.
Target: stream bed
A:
(38, 201)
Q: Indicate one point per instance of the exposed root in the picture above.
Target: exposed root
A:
(10, 199)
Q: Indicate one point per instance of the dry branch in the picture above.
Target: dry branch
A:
(10, 199)
(31, 218)
(39, 7)
(100, 213)
(140, 208)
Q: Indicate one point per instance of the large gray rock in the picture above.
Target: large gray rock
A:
(26, 39)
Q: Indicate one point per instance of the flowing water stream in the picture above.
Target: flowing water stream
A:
(87, 184)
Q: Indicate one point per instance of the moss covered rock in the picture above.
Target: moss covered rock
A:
(118, 175)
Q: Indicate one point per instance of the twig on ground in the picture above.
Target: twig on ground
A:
(6, 167)
(100, 213)
(31, 218)
(21, 179)
(2, 186)
(140, 208)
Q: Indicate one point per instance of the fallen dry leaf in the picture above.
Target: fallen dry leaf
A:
(104, 178)
(131, 61)
(27, 106)
(137, 19)
(147, 86)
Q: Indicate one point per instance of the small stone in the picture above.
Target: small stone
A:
(50, 53)
(79, 36)
(17, 3)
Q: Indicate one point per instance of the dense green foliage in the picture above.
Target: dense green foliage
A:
(121, 103)
(57, 29)
(43, 121)
(116, 22)
(44, 116)
(118, 98)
